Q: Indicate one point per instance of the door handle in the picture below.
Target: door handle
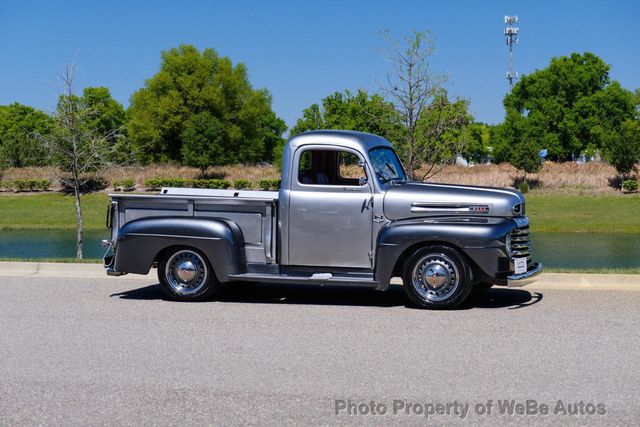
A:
(378, 218)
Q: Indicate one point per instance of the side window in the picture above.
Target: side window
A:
(329, 167)
(348, 166)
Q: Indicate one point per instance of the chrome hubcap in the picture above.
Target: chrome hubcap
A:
(435, 277)
(186, 272)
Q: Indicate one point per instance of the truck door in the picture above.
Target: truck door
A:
(330, 212)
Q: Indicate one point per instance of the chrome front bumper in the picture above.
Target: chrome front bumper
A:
(518, 280)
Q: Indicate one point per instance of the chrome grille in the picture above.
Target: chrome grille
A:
(520, 243)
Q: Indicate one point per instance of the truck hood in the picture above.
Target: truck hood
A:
(413, 200)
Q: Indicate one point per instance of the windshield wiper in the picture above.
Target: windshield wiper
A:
(382, 177)
(393, 171)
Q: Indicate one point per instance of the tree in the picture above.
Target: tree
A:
(442, 132)
(476, 149)
(106, 113)
(412, 87)
(18, 145)
(189, 83)
(623, 151)
(523, 150)
(77, 146)
(568, 108)
(203, 142)
(344, 110)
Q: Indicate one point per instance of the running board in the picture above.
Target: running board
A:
(314, 279)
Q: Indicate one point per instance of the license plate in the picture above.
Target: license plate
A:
(520, 265)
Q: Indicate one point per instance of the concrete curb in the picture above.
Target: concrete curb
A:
(546, 280)
(596, 282)
(55, 269)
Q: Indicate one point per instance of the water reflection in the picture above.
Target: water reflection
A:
(587, 250)
(49, 243)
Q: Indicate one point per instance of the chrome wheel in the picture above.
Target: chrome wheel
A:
(435, 277)
(186, 272)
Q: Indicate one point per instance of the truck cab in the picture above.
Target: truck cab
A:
(346, 213)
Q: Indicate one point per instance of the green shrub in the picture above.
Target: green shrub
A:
(630, 185)
(221, 184)
(6, 185)
(30, 184)
(241, 184)
(152, 184)
(157, 183)
(523, 187)
(126, 184)
(269, 184)
(42, 184)
(20, 184)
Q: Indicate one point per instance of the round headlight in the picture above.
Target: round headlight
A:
(517, 209)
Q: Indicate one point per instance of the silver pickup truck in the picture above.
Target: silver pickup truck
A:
(346, 214)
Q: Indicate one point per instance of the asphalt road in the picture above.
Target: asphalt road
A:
(113, 351)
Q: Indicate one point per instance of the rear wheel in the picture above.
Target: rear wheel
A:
(437, 277)
(186, 275)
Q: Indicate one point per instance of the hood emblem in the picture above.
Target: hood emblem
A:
(481, 209)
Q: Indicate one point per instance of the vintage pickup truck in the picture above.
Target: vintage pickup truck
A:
(346, 214)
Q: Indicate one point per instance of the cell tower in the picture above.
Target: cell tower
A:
(511, 34)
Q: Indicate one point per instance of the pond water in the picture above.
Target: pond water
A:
(587, 250)
(49, 243)
(559, 250)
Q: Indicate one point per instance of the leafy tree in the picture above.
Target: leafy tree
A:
(623, 151)
(203, 142)
(477, 142)
(190, 82)
(344, 110)
(569, 107)
(107, 116)
(18, 145)
(442, 132)
(107, 113)
(523, 151)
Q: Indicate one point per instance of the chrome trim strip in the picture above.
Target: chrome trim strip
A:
(171, 235)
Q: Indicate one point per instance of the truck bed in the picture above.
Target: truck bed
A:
(255, 212)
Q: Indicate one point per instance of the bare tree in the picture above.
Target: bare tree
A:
(80, 152)
(435, 127)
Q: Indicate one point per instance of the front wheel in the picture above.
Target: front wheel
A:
(186, 275)
(437, 277)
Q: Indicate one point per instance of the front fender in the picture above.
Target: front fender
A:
(481, 240)
(140, 241)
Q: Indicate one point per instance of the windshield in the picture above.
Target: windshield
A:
(386, 165)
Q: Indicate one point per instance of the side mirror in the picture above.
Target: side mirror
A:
(361, 163)
(362, 181)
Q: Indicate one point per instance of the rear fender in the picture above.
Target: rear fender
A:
(139, 243)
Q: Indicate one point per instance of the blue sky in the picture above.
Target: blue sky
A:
(304, 51)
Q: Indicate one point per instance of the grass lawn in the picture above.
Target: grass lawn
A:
(578, 213)
(548, 212)
(51, 210)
